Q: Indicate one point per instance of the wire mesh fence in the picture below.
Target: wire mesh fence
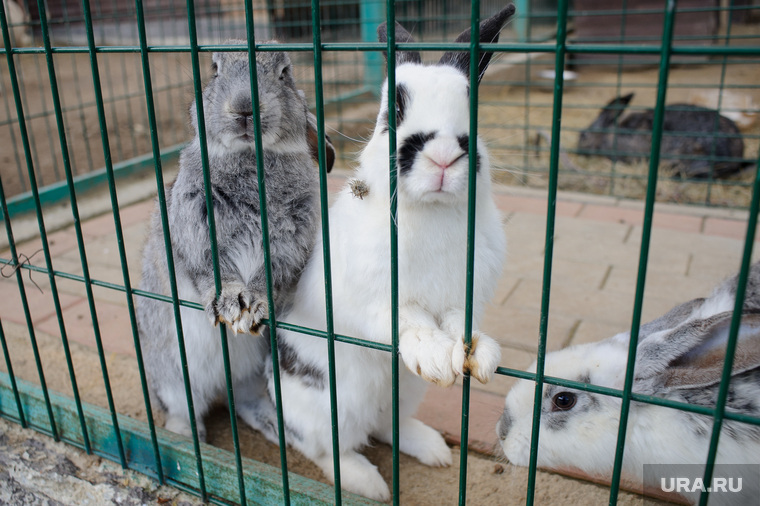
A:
(102, 89)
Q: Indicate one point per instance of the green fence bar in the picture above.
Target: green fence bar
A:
(393, 175)
(261, 175)
(329, 320)
(733, 336)
(657, 130)
(9, 228)
(470, 268)
(151, 111)
(559, 66)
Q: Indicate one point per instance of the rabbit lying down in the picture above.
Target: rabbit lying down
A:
(679, 356)
(697, 142)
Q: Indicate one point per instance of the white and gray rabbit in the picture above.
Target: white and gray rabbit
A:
(697, 142)
(293, 210)
(680, 357)
(432, 197)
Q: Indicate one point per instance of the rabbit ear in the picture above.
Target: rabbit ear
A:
(312, 137)
(704, 367)
(669, 320)
(489, 32)
(401, 36)
(693, 353)
(613, 110)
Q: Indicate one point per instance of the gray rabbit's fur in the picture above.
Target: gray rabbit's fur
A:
(697, 142)
(293, 206)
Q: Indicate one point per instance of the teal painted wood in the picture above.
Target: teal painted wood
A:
(56, 192)
(263, 482)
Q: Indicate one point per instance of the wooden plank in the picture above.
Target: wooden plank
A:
(263, 482)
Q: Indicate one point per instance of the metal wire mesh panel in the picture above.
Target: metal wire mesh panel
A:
(590, 98)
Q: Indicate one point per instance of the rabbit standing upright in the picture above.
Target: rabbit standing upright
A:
(293, 207)
(697, 142)
(432, 193)
(680, 357)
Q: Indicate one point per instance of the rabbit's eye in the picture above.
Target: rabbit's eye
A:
(214, 69)
(563, 401)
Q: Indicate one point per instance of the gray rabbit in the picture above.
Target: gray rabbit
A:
(288, 134)
(697, 142)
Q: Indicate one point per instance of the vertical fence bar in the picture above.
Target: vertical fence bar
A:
(9, 368)
(330, 327)
(198, 94)
(6, 216)
(151, 111)
(470, 267)
(212, 237)
(725, 381)
(559, 65)
(393, 175)
(48, 259)
(654, 161)
(267, 255)
(117, 222)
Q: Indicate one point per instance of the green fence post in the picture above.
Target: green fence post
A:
(559, 64)
(654, 161)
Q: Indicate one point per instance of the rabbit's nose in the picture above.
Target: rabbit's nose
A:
(244, 119)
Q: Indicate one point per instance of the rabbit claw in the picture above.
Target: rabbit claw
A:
(479, 359)
(238, 308)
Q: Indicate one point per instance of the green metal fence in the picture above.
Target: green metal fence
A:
(146, 70)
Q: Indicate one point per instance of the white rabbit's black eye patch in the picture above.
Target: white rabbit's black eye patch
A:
(409, 149)
(464, 144)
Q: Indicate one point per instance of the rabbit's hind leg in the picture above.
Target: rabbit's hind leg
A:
(357, 475)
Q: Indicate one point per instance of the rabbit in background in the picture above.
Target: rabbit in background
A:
(679, 356)
(287, 131)
(433, 171)
(697, 142)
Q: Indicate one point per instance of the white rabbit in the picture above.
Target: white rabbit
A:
(679, 356)
(432, 250)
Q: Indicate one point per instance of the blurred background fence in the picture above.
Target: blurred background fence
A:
(515, 99)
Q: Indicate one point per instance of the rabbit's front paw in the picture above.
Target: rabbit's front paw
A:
(237, 307)
(250, 319)
(480, 359)
(427, 353)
